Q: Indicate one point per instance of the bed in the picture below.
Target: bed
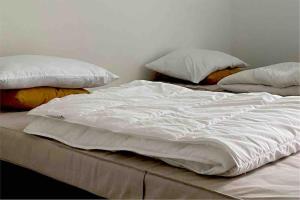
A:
(246, 143)
(128, 175)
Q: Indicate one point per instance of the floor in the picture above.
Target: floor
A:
(19, 183)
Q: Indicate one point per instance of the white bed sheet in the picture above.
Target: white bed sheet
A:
(14, 120)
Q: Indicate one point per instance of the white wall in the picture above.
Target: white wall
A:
(121, 35)
(266, 31)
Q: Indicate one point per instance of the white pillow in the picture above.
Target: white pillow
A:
(280, 75)
(194, 64)
(26, 71)
(281, 79)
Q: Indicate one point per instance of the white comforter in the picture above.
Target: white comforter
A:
(209, 133)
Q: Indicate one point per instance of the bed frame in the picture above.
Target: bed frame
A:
(122, 175)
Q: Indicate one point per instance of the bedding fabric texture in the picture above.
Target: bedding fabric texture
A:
(27, 99)
(140, 175)
(209, 133)
(194, 64)
(202, 87)
(280, 79)
(27, 71)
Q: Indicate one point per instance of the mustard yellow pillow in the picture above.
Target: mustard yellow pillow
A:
(215, 77)
(27, 99)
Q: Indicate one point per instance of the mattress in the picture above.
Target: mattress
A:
(127, 175)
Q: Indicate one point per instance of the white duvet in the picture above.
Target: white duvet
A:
(209, 133)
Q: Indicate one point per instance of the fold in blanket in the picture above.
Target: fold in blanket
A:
(219, 133)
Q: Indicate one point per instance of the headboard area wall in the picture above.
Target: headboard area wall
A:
(121, 35)
(266, 32)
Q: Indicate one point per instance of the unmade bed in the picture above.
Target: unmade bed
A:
(150, 139)
(128, 175)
